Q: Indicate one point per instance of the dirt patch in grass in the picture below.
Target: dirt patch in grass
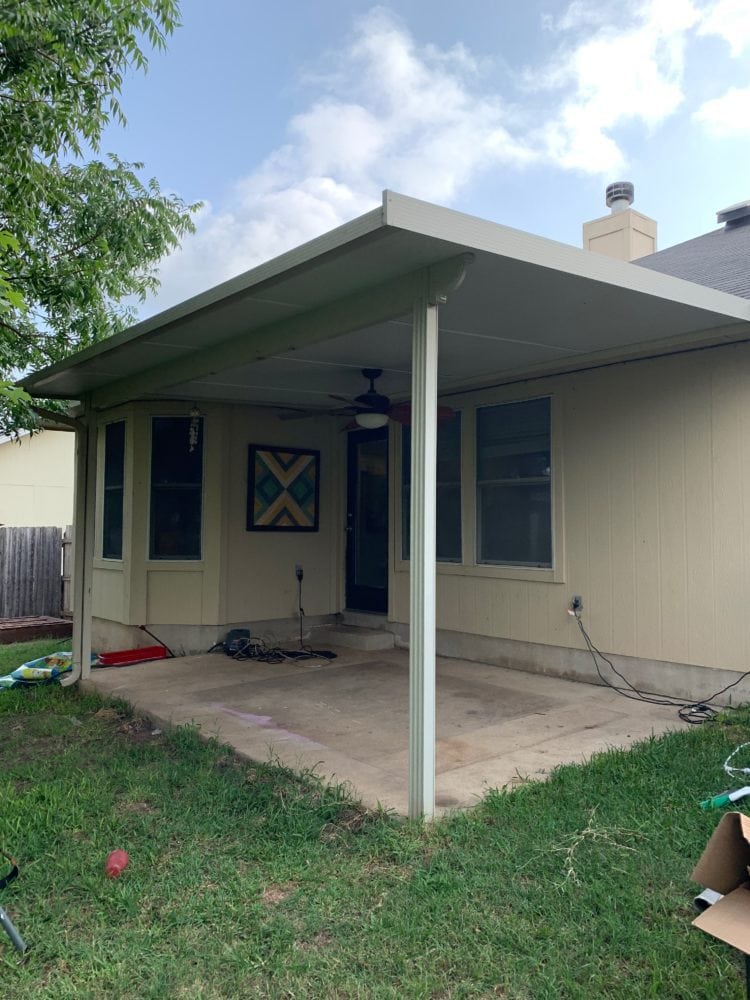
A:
(137, 808)
(108, 714)
(273, 894)
(320, 940)
(139, 730)
(32, 748)
(351, 819)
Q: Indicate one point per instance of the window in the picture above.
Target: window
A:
(176, 487)
(114, 479)
(448, 490)
(514, 506)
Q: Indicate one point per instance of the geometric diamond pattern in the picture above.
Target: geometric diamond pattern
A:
(283, 489)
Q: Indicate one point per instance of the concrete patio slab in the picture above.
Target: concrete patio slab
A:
(348, 718)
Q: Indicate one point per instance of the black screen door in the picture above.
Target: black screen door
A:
(367, 521)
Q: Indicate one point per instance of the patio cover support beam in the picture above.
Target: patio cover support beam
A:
(424, 369)
(84, 520)
(353, 312)
(422, 580)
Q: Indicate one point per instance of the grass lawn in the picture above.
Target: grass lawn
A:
(248, 881)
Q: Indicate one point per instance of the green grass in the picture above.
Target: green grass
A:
(250, 881)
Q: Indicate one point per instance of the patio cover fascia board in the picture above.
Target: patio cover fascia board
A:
(444, 232)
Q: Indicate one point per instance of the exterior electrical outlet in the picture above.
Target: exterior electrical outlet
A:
(577, 603)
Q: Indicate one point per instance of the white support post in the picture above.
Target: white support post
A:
(424, 365)
(83, 546)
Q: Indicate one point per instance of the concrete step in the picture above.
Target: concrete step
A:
(354, 637)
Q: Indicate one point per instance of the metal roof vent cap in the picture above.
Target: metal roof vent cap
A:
(735, 215)
(619, 196)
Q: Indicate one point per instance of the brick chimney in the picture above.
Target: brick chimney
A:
(624, 234)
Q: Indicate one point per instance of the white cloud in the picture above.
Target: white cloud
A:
(726, 116)
(730, 20)
(621, 72)
(414, 119)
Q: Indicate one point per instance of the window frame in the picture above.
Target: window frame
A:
(469, 402)
(109, 489)
(163, 562)
(547, 481)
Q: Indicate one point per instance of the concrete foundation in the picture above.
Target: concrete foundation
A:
(676, 680)
(189, 640)
(360, 631)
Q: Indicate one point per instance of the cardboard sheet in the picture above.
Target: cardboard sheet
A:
(729, 919)
(724, 867)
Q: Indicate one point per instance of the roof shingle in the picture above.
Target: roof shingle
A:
(719, 259)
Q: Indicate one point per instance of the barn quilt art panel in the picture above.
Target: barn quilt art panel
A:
(283, 488)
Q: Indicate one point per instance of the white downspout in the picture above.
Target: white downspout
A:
(84, 525)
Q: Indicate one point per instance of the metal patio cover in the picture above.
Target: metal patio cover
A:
(298, 327)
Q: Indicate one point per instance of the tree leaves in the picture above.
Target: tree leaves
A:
(76, 237)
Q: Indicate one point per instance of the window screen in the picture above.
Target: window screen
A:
(176, 487)
(448, 490)
(114, 479)
(514, 506)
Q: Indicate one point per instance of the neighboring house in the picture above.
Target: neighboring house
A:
(36, 480)
(600, 447)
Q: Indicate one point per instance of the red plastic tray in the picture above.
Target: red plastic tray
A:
(122, 657)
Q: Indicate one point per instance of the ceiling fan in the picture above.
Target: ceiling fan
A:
(371, 409)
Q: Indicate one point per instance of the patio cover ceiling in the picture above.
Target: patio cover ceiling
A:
(298, 328)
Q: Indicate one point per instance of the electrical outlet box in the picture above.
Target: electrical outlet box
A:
(298, 571)
(576, 603)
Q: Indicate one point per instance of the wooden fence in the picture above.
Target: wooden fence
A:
(67, 571)
(30, 571)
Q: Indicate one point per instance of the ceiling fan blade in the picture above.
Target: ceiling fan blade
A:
(401, 413)
(342, 399)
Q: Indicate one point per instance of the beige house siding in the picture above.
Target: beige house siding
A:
(651, 496)
(159, 591)
(36, 480)
(242, 576)
(260, 582)
(656, 493)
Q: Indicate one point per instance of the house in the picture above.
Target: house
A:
(592, 441)
(36, 480)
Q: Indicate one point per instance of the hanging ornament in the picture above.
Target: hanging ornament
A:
(194, 429)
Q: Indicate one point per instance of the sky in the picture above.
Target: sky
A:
(289, 118)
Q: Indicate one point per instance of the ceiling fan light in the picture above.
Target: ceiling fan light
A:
(371, 421)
